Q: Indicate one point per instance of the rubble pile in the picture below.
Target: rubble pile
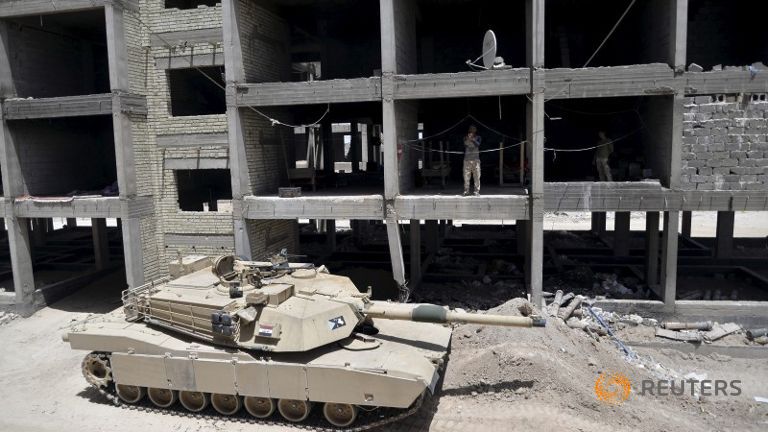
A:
(6, 317)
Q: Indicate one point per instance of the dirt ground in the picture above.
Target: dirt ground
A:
(496, 379)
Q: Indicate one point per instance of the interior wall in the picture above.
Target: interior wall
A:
(343, 34)
(658, 117)
(575, 29)
(450, 33)
(59, 156)
(725, 33)
(265, 41)
(51, 56)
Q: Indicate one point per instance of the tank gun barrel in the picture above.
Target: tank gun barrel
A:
(437, 314)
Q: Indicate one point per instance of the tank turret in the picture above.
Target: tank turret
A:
(268, 336)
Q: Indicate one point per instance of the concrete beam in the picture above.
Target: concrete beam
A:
(652, 248)
(13, 8)
(370, 207)
(725, 81)
(187, 60)
(193, 240)
(196, 163)
(646, 196)
(74, 106)
(101, 207)
(668, 280)
(190, 37)
(483, 207)
(724, 234)
(621, 234)
(193, 140)
(463, 84)
(614, 81)
(100, 242)
(309, 92)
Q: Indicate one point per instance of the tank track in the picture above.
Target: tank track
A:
(366, 420)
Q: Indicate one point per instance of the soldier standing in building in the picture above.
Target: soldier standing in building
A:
(602, 154)
(472, 159)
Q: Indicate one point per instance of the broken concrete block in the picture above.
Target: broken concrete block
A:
(693, 67)
(683, 336)
(720, 331)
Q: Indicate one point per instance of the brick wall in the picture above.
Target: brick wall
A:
(48, 61)
(62, 155)
(725, 144)
(265, 43)
(266, 166)
(270, 236)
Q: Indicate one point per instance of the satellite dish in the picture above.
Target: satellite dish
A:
(489, 49)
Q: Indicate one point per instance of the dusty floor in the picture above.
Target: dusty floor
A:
(496, 379)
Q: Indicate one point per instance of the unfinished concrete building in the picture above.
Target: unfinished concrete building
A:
(215, 105)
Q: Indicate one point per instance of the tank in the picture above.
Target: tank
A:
(270, 341)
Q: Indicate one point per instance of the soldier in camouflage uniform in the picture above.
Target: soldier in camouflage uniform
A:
(472, 159)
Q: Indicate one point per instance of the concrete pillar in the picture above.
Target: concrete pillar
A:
(7, 87)
(621, 234)
(415, 234)
(100, 242)
(521, 236)
(652, 248)
(724, 235)
(598, 223)
(329, 150)
(71, 223)
(686, 228)
(432, 236)
(679, 25)
(132, 249)
(38, 232)
(21, 263)
(395, 246)
(354, 147)
(238, 160)
(534, 262)
(668, 281)
(330, 235)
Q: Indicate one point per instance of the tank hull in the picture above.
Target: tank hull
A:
(390, 369)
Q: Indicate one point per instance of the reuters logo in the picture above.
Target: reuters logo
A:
(612, 388)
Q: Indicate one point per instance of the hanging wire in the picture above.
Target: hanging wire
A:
(605, 39)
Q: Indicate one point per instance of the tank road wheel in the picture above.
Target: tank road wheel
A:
(226, 404)
(96, 369)
(340, 414)
(294, 410)
(162, 397)
(130, 393)
(193, 401)
(259, 407)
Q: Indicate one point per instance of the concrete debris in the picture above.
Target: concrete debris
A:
(683, 335)
(693, 67)
(756, 333)
(6, 317)
(762, 340)
(720, 331)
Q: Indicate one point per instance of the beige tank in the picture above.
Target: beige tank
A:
(258, 337)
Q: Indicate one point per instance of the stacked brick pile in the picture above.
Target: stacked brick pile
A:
(725, 143)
